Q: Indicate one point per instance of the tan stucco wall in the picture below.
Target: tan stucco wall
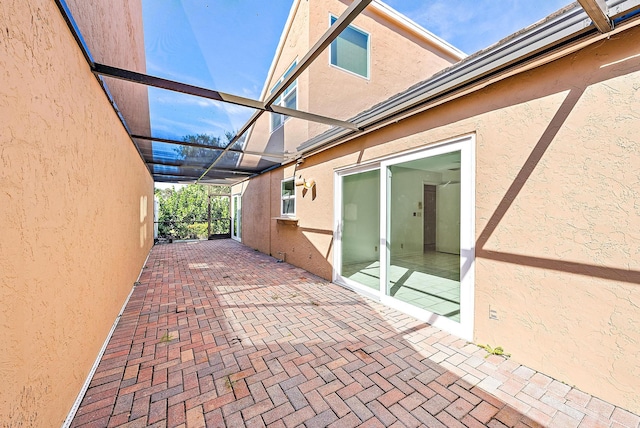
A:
(399, 58)
(288, 136)
(255, 196)
(296, 244)
(118, 43)
(76, 209)
(557, 150)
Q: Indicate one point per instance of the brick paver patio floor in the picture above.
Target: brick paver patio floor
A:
(216, 334)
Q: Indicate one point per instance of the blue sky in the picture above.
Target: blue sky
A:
(228, 45)
(471, 25)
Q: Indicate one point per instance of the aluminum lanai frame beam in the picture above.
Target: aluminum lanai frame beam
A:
(75, 31)
(254, 117)
(163, 174)
(77, 35)
(565, 28)
(194, 167)
(171, 85)
(193, 177)
(205, 146)
(599, 13)
(329, 36)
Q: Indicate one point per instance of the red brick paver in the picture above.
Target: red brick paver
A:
(216, 334)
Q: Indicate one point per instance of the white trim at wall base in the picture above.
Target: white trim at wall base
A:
(96, 363)
(363, 290)
(439, 321)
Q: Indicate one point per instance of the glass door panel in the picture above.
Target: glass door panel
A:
(360, 228)
(423, 233)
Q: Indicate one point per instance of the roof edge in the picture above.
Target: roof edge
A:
(405, 22)
(283, 38)
(382, 9)
(567, 25)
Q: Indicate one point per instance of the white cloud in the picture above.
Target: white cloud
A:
(471, 25)
(179, 129)
(444, 18)
(165, 72)
(253, 92)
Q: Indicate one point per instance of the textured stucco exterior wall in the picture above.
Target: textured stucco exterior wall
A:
(397, 60)
(288, 136)
(557, 249)
(557, 150)
(119, 43)
(256, 205)
(304, 244)
(76, 209)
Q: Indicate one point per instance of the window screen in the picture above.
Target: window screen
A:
(287, 99)
(288, 197)
(350, 50)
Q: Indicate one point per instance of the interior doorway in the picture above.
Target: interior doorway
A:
(429, 230)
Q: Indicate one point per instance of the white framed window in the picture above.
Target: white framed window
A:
(288, 197)
(288, 99)
(350, 50)
(236, 217)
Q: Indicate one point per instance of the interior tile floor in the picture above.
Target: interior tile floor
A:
(218, 335)
(429, 281)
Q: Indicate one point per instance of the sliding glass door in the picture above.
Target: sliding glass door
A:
(406, 233)
(359, 226)
(423, 215)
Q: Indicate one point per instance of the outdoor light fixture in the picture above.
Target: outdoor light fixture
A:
(307, 184)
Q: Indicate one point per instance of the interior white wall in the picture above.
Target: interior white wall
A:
(448, 218)
(406, 199)
(407, 187)
(361, 217)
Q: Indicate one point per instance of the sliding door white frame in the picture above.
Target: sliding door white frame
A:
(466, 146)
